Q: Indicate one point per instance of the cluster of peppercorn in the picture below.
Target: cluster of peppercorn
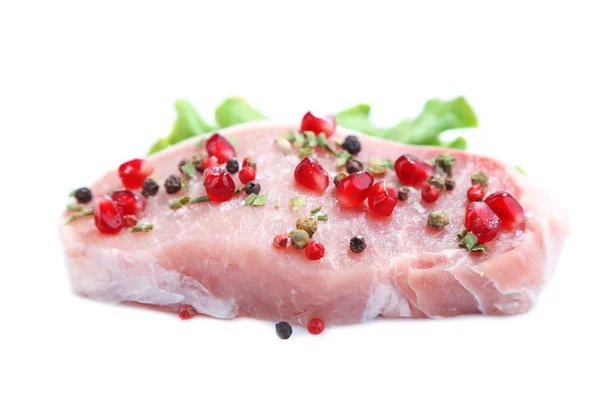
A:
(300, 238)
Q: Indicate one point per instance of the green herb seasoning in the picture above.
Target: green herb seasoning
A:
(445, 162)
(305, 151)
(142, 228)
(315, 210)
(469, 241)
(341, 159)
(322, 217)
(84, 213)
(189, 170)
(298, 202)
(74, 207)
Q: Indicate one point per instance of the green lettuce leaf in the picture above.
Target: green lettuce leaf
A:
(437, 116)
(236, 110)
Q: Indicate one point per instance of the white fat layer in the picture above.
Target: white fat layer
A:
(106, 275)
(385, 299)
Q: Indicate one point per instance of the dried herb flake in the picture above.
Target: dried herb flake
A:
(142, 228)
(189, 170)
(298, 202)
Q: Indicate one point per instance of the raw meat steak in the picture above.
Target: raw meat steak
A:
(219, 257)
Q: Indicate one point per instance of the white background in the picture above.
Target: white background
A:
(84, 86)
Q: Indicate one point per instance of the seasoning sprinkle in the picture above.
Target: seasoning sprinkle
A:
(438, 219)
(251, 197)
(480, 178)
(376, 167)
(322, 217)
(178, 203)
(201, 199)
(353, 166)
(351, 144)
(284, 330)
(299, 238)
(74, 207)
(445, 162)
(85, 213)
(298, 202)
(149, 187)
(403, 193)
(438, 181)
(305, 151)
(188, 169)
(260, 200)
(450, 184)
(338, 178)
(284, 146)
(233, 166)
(469, 241)
(82, 195)
(142, 228)
(307, 224)
(197, 160)
(358, 244)
(277, 204)
(315, 210)
(252, 187)
(172, 184)
(341, 159)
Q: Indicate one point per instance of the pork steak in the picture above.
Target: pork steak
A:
(219, 257)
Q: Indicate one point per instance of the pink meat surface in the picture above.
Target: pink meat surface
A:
(219, 257)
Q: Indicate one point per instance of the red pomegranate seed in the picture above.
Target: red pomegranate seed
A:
(310, 174)
(411, 170)
(249, 162)
(186, 311)
(209, 162)
(282, 241)
(313, 122)
(314, 250)
(507, 208)
(129, 221)
(430, 194)
(247, 174)
(107, 216)
(383, 197)
(219, 184)
(354, 189)
(128, 203)
(134, 172)
(482, 221)
(475, 193)
(219, 147)
(316, 326)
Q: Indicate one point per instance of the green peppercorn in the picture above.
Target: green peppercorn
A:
(438, 181)
(353, 166)
(149, 187)
(438, 219)
(83, 195)
(233, 166)
(197, 161)
(450, 184)
(307, 224)
(299, 238)
(172, 184)
(252, 187)
(403, 193)
(339, 178)
(480, 178)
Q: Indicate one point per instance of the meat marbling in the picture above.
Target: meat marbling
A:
(219, 257)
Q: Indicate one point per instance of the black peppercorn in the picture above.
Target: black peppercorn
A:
(252, 187)
(149, 187)
(83, 195)
(172, 184)
(450, 184)
(233, 166)
(403, 193)
(284, 330)
(351, 144)
(358, 244)
(182, 163)
(353, 166)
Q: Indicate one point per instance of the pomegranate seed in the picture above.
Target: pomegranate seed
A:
(430, 194)
(316, 326)
(383, 197)
(482, 221)
(314, 250)
(282, 241)
(129, 221)
(247, 174)
(411, 170)
(310, 174)
(219, 147)
(107, 216)
(249, 162)
(186, 311)
(354, 189)
(128, 203)
(507, 208)
(134, 172)
(475, 193)
(209, 162)
(313, 122)
(219, 184)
